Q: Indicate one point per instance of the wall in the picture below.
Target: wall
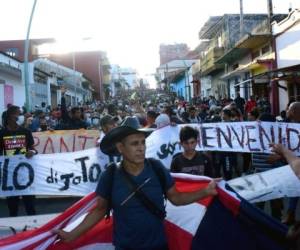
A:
(86, 62)
(287, 49)
(19, 44)
(11, 79)
(205, 86)
(171, 52)
(288, 45)
(179, 86)
(233, 22)
(10, 61)
(215, 83)
(238, 77)
(18, 91)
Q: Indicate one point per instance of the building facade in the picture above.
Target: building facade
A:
(177, 76)
(170, 52)
(223, 32)
(12, 89)
(46, 78)
(93, 64)
(287, 74)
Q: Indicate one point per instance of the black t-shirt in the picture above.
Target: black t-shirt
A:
(15, 142)
(198, 165)
(240, 103)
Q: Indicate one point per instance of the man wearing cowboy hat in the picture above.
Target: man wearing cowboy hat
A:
(129, 210)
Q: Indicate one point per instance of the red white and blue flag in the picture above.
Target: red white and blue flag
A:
(223, 222)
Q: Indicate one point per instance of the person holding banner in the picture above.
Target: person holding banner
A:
(290, 157)
(294, 162)
(135, 190)
(293, 115)
(14, 140)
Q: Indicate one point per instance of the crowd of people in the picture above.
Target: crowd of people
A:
(153, 113)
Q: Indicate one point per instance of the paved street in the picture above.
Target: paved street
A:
(57, 205)
(43, 205)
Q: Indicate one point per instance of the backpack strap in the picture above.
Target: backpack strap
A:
(159, 173)
(141, 196)
(111, 169)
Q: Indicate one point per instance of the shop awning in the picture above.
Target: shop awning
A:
(247, 67)
(242, 82)
(281, 73)
(273, 75)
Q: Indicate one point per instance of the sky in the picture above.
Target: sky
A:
(130, 31)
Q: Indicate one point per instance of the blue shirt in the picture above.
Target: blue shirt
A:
(135, 226)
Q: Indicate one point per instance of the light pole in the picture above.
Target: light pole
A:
(26, 52)
(74, 75)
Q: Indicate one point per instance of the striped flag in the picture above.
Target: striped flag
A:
(223, 222)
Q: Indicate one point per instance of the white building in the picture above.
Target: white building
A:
(167, 75)
(125, 78)
(46, 78)
(131, 77)
(12, 89)
(287, 39)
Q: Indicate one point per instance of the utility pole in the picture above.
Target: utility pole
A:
(26, 52)
(270, 14)
(167, 80)
(241, 19)
(74, 74)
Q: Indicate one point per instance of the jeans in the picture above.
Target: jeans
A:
(13, 204)
(293, 204)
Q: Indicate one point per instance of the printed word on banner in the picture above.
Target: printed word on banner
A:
(232, 136)
(60, 141)
(52, 174)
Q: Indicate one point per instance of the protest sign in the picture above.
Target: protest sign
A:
(60, 141)
(52, 174)
(267, 185)
(248, 137)
(77, 173)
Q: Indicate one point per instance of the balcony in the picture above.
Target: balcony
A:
(208, 62)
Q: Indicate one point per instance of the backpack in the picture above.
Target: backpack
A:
(111, 168)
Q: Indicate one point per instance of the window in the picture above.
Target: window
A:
(235, 66)
(220, 41)
(256, 54)
(14, 52)
(265, 49)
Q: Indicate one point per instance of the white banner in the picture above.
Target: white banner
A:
(77, 173)
(268, 185)
(52, 174)
(233, 136)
